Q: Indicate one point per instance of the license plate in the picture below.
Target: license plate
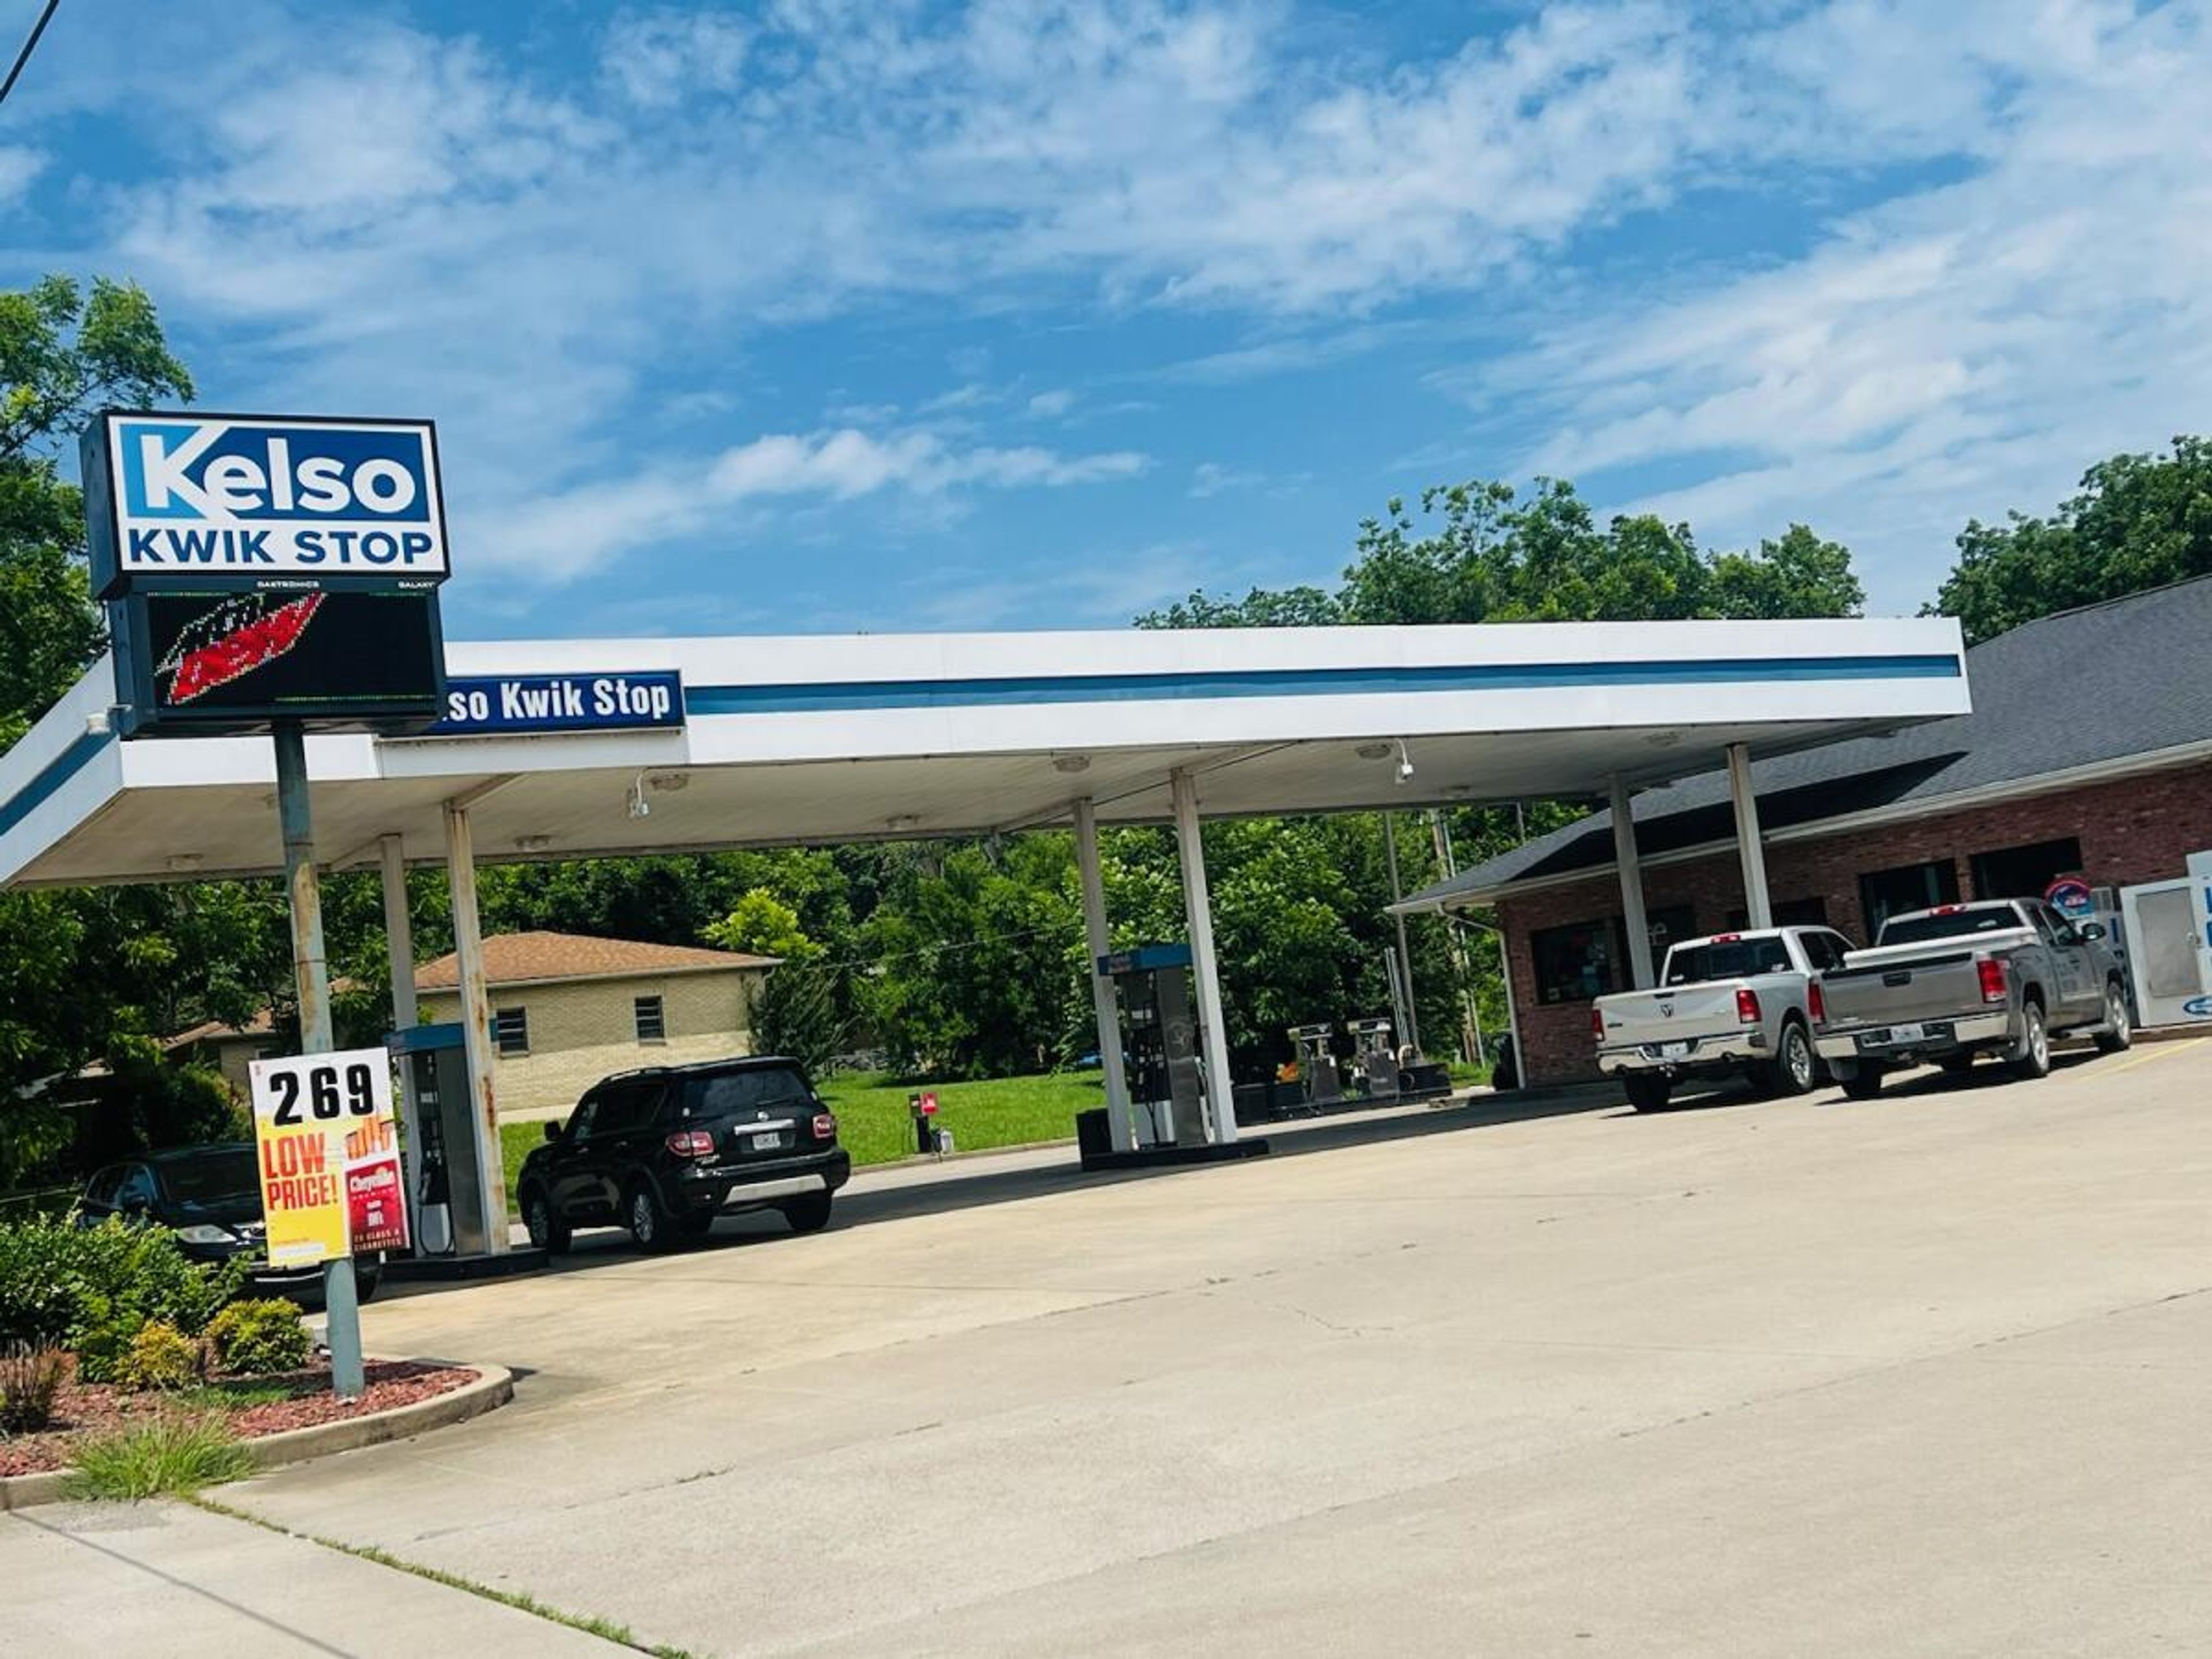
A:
(761, 1138)
(1673, 1050)
(1907, 1033)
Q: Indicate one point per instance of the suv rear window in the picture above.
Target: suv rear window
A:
(1736, 958)
(1958, 924)
(720, 1094)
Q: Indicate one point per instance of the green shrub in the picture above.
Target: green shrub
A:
(159, 1358)
(255, 1338)
(173, 1453)
(29, 1379)
(91, 1289)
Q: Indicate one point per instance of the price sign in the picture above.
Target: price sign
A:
(328, 1155)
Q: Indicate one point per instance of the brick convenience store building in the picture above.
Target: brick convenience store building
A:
(2089, 752)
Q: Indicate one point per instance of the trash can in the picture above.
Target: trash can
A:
(1092, 1138)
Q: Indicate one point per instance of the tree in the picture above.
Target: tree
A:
(2139, 522)
(1480, 552)
(762, 925)
(84, 972)
(62, 354)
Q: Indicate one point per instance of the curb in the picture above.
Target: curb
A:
(493, 1388)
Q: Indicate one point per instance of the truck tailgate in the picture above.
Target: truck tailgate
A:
(1691, 1011)
(1882, 994)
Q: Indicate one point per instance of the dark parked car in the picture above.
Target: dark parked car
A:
(663, 1151)
(210, 1198)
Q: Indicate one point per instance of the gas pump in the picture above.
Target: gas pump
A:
(1160, 1043)
(1318, 1081)
(1374, 1060)
(442, 1171)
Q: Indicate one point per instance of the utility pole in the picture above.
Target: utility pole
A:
(311, 976)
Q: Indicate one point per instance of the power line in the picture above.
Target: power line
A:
(29, 47)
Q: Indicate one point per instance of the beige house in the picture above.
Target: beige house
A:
(567, 1010)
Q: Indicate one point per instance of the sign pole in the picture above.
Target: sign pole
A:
(311, 976)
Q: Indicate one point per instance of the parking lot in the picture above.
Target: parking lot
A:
(1923, 1375)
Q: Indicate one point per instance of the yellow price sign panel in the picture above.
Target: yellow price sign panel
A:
(328, 1156)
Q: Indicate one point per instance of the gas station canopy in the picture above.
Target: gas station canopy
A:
(834, 739)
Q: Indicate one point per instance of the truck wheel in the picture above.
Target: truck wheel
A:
(2031, 1057)
(1648, 1091)
(2119, 1032)
(1865, 1081)
(1793, 1070)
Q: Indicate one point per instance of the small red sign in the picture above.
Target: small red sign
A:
(929, 1102)
(376, 1211)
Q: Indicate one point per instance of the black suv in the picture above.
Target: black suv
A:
(664, 1152)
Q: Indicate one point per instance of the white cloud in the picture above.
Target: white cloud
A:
(1212, 478)
(391, 218)
(562, 535)
(656, 58)
(19, 166)
(1051, 405)
(1956, 351)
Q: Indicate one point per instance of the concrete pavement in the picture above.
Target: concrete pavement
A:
(1923, 1375)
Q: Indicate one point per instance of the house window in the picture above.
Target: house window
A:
(510, 1031)
(2025, 871)
(1888, 893)
(651, 1021)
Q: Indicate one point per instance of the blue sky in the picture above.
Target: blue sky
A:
(819, 316)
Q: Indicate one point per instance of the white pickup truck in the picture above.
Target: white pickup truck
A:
(1746, 1003)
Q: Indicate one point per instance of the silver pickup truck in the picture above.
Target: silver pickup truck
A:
(1946, 985)
(1734, 1002)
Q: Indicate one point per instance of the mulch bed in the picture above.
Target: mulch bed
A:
(95, 1408)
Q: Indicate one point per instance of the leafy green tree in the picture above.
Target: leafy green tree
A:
(2137, 522)
(1481, 551)
(762, 925)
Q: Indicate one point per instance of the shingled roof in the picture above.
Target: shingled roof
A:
(539, 957)
(2129, 680)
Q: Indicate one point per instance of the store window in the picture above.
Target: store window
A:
(1577, 961)
(2025, 871)
(1888, 893)
(510, 1031)
(1587, 959)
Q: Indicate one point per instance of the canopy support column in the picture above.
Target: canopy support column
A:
(1756, 903)
(476, 1023)
(1097, 942)
(1198, 910)
(399, 949)
(1632, 912)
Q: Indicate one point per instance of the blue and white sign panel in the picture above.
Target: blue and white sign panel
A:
(289, 501)
(512, 705)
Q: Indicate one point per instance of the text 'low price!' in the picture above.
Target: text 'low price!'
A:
(329, 1157)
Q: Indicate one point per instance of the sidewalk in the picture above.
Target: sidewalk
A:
(104, 1579)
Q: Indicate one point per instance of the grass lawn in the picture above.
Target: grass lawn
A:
(874, 1124)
